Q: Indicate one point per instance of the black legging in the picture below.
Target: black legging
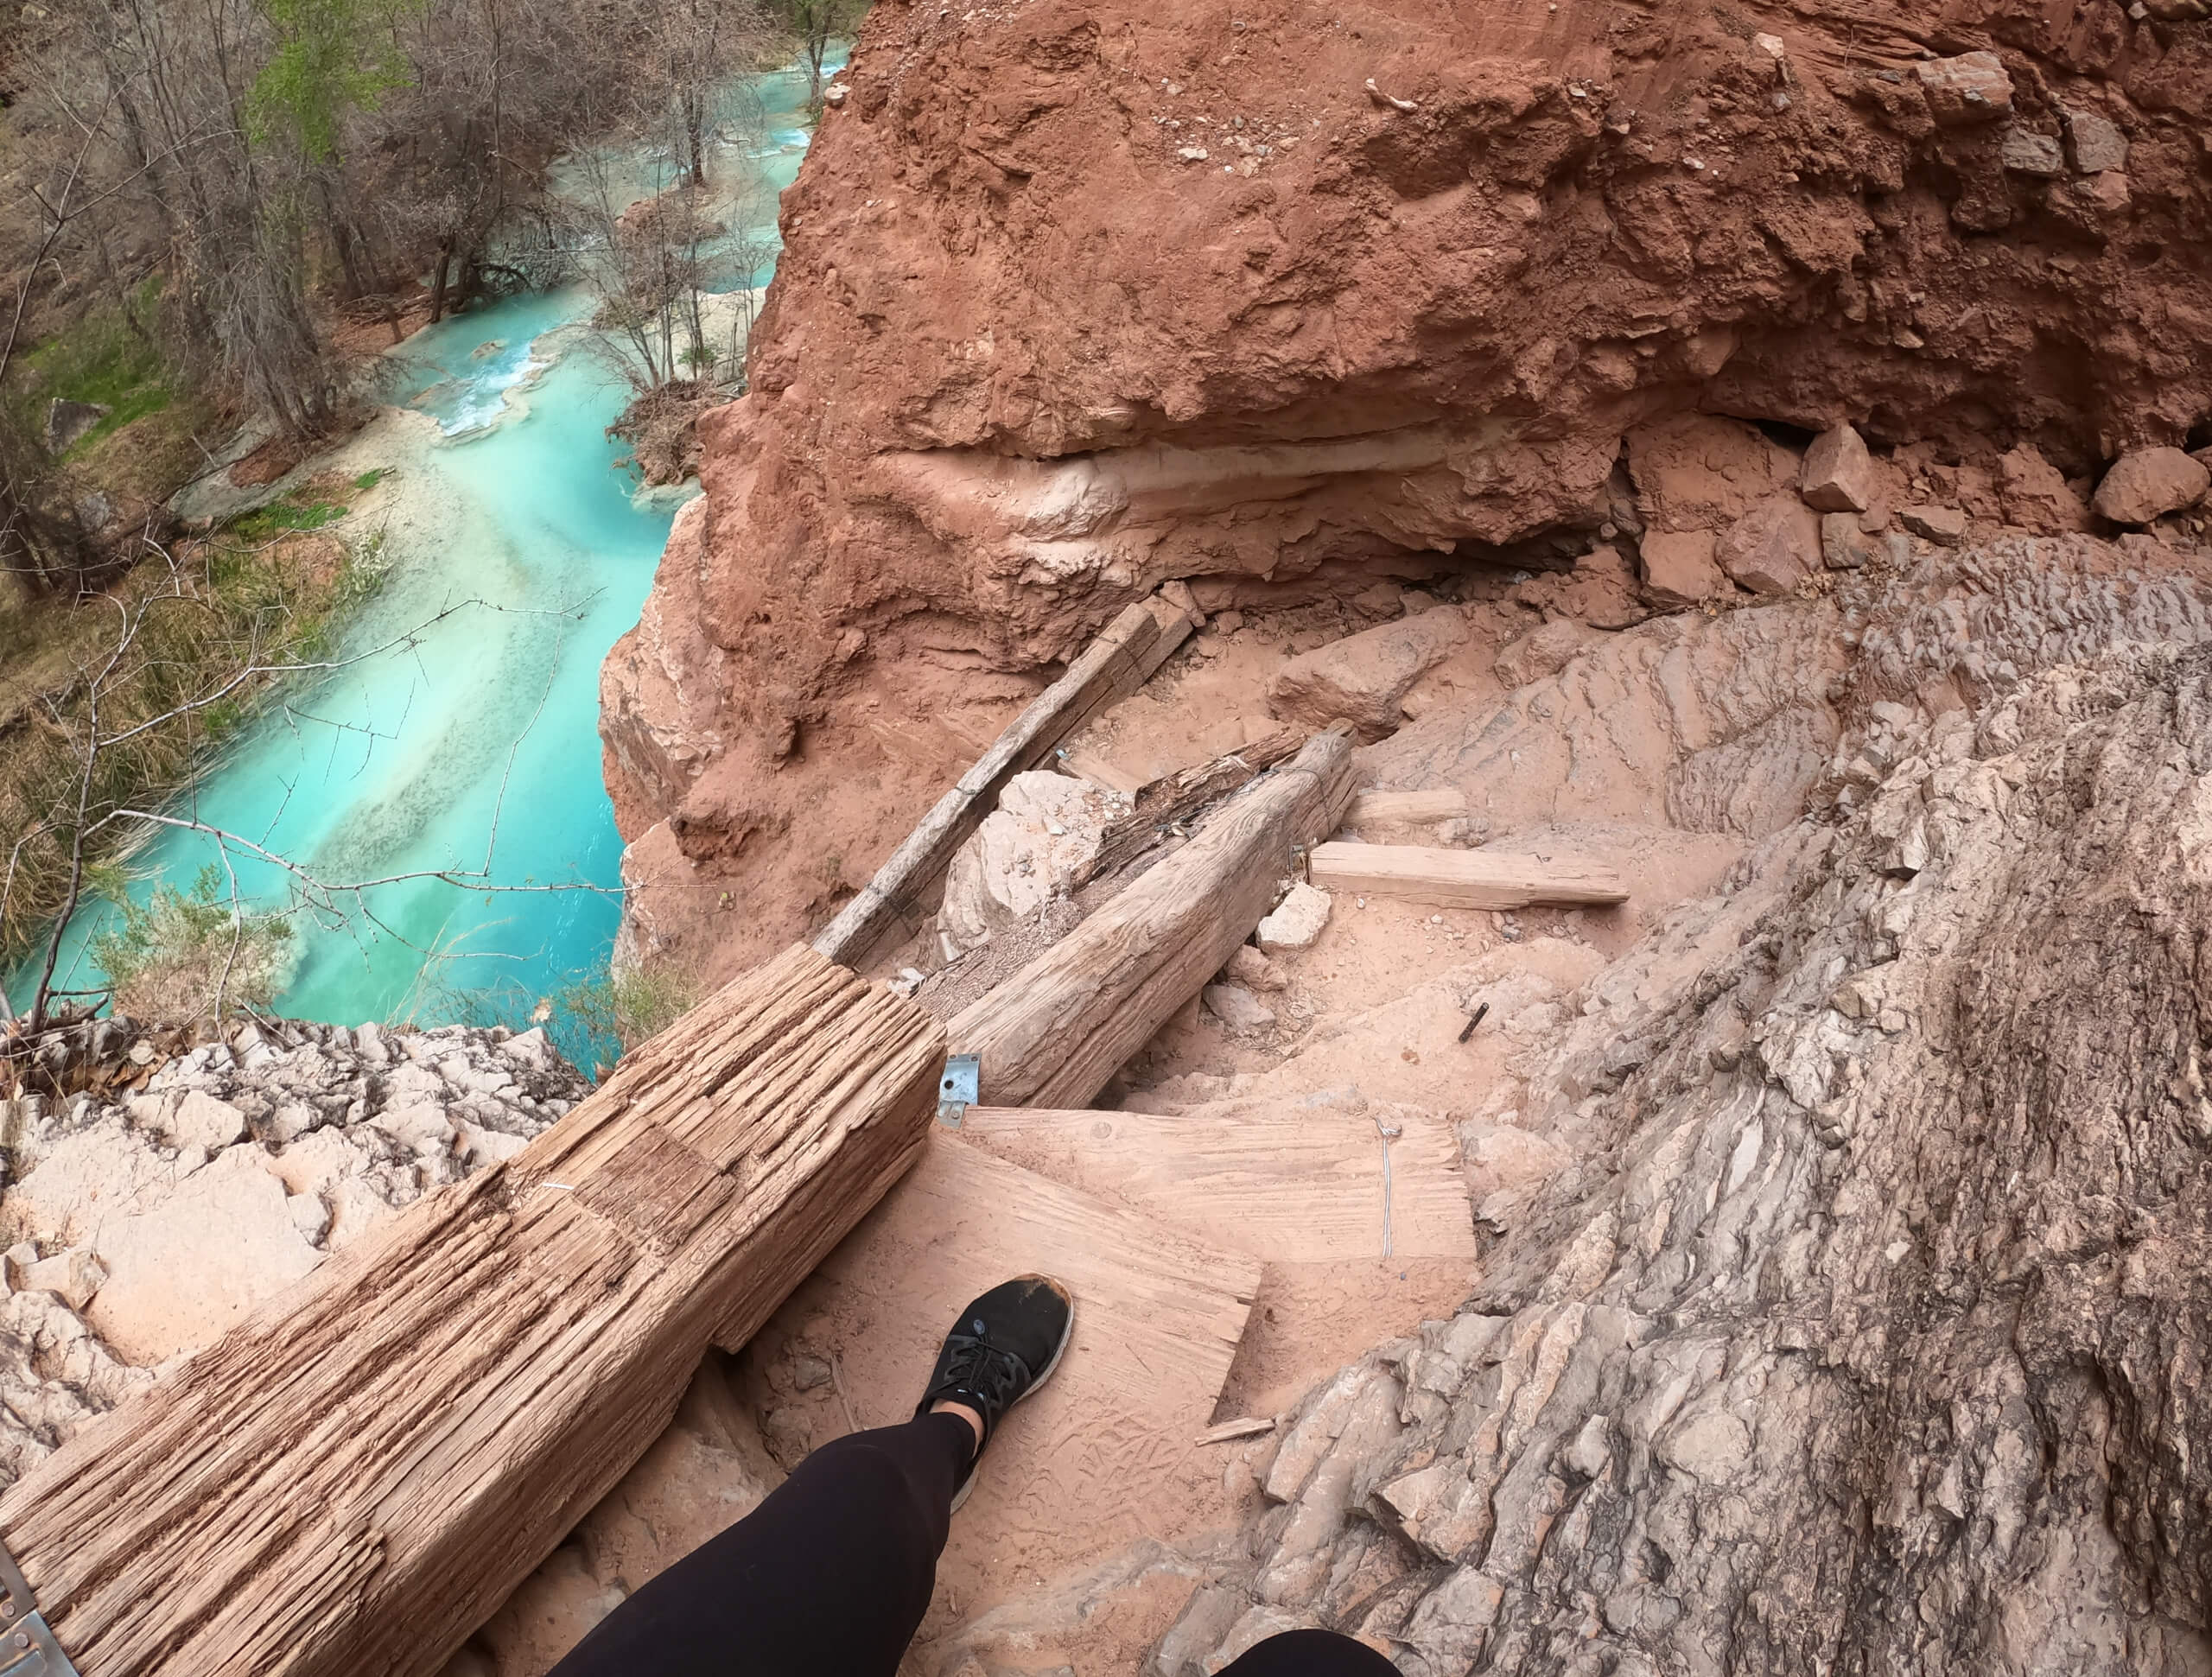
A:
(831, 1574)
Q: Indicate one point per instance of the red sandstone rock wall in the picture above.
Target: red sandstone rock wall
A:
(1078, 297)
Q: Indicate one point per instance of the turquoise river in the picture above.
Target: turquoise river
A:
(473, 748)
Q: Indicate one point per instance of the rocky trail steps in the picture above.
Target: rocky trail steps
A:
(1309, 1386)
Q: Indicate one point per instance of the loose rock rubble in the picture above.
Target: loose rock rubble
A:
(141, 1223)
(1863, 1267)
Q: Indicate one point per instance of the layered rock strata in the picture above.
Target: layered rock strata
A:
(1854, 1325)
(1076, 298)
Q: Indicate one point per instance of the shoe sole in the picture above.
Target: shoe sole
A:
(1060, 1351)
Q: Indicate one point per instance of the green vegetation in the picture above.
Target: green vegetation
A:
(109, 357)
(281, 516)
(370, 478)
(617, 1012)
(181, 955)
(331, 57)
(229, 605)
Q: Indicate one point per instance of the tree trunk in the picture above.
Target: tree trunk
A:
(438, 285)
(1056, 1031)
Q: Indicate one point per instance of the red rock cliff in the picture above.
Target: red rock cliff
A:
(1076, 298)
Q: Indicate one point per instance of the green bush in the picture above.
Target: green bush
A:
(182, 955)
(617, 1012)
(282, 517)
(101, 357)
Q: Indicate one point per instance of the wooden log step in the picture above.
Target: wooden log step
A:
(1093, 1458)
(1179, 799)
(1374, 808)
(1464, 879)
(1287, 1181)
(1121, 660)
(1054, 1033)
(352, 1479)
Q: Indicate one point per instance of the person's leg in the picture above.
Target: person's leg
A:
(1309, 1654)
(833, 1572)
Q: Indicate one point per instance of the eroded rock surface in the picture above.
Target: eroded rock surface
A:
(1844, 1313)
(140, 1226)
(1076, 298)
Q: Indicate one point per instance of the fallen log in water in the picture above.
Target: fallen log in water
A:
(1112, 667)
(353, 1479)
(1054, 1033)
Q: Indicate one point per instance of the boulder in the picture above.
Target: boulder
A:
(1699, 471)
(67, 421)
(74, 1277)
(2094, 142)
(1243, 1013)
(1838, 475)
(1297, 920)
(1843, 545)
(2036, 156)
(1946, 526)
(2034, 493)
(1361, 678)
(2148, 483)
(1251, 968)
(183, 1272)
(1679, 568)
(1966, 90)
(201, 1121)
(1773, 548)
(1045, 831)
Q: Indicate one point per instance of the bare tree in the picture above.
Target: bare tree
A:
(95, 808)
(818, 24)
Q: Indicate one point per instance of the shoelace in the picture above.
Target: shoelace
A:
(991, 1373)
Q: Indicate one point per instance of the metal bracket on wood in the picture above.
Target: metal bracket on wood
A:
(960, 1090)
(27, 1644)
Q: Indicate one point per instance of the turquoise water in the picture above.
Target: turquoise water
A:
(473, 747)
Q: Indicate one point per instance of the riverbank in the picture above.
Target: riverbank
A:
(435, 811)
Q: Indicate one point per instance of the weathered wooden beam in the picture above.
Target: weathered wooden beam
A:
(1287, 1180)
(1121, 660)
(1373, 809)
(353, 1479)
(1464, 879)
(1053, 1034)
(1178, 799)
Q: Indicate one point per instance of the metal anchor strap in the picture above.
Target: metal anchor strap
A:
(957, 1091)
(27, 1645)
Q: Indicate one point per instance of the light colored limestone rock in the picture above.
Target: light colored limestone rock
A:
(183, 1271)
(1297, 921)
(1361, 678)
(74, 1277)
(1238, 1009)
(1035, 845)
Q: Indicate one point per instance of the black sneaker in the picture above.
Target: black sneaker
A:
(1006, 1345)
